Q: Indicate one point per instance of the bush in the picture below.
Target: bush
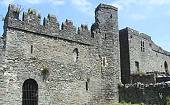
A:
(168, 100)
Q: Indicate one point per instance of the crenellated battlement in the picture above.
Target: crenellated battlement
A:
(83, 29)
(68, 26)
(31, 22)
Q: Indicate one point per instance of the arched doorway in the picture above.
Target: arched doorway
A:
(166, 67)
(30, 92)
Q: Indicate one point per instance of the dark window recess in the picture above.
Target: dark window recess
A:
(31, 49)
(150, 44)
(30, 92)
(104, 61)
(92, 35)
(131, 36)
(142, 46)
(105, 36)
(87, 84)
(75, 54)
(137, 65)
(111, 16)
(166, 67)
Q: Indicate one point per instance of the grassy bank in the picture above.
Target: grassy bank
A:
(124, 104)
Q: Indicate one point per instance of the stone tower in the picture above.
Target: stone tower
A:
(105, 29)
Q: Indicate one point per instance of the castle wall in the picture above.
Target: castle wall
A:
(1, 69)
(141, 54)
(67, 79)
(73, 59)
(153, 94)
(151, 59)
(124, 56)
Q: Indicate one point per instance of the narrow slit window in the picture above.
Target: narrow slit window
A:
(105, 36)
(142, 46)
(87, 84)
(31, 49)
(166, 67)
(137, 66)
(104, 62)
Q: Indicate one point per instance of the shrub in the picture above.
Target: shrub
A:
(45, 71)
(168, 100)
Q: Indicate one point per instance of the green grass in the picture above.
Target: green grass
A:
(124, 104)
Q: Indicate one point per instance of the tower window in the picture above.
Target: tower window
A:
(105, 36)
(142, 46)
(166, 67)
(137, 66)
(87, 84)
(31, 49)
(75, 54)
(104, 62)
(111, 16)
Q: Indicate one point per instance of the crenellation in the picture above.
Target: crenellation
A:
(51, 23)
(68, 26)
(31, 18)
(83, 30)
(100, 6)
(31, 22)
(13, 12)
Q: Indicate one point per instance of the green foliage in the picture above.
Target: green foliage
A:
(140, 73)
(45, 71)
(18, 10)
(168, 100)
(124, 103)
(30, 11)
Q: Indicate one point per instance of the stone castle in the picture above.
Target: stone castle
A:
(49, 65)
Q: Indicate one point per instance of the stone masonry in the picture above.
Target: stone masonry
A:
(45, 64)
(69, 67)
(140, 55)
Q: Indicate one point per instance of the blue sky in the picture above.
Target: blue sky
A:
(148, 16)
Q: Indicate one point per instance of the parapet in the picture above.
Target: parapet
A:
(13, 12)
(31, 22)
(137, 33)
(83, 29)
(106, 7)
(68, 26)
(51, 23)
(155, 48)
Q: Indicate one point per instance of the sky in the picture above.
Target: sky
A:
(147, 16)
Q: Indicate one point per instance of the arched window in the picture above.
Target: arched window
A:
(30, 92)
(166, 67)
(75, 54)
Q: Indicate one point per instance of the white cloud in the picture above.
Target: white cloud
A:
(141, 9)
(83, 5)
